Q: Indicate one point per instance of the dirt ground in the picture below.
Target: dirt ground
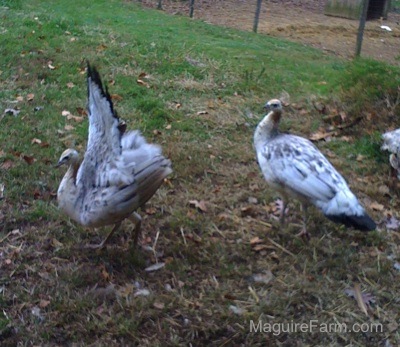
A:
(300, 21)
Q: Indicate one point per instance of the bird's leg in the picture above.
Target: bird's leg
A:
(304, 232)
(102, 244)
(137, 222)
(282, 215)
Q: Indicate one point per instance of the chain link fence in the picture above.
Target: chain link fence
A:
(303, 21)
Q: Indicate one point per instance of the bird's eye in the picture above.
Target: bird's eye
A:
(66, 158)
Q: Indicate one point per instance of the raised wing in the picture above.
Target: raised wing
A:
(109, 205)
(104, 139)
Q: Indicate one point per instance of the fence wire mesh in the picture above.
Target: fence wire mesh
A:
(302, 21)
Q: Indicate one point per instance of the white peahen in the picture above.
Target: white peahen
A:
(296, 168)
(391, 143)
(120, 171)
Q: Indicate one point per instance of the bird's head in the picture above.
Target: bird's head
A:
(69, 156)
(273, 105)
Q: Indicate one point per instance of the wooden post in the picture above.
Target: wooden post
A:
(191, 8)
(159, 5)
(360, 34)
(257, 15)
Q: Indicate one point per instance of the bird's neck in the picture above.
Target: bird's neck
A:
(68, 192)
(267, 129)
(72, 171)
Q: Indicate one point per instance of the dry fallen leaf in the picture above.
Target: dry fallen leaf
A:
(376, 206)
(81, 111)
(154, 267)
(69, 127)
(116, 97)
(101, 47)
(8, 164)
(384, 189)
(44, 303)
(44, 144)
(126, 290)
(249, 210)
(30, 97)
(255, 240)
(360, 157)
(360, 299)
(260, 247)
(37, 141)
(201, 113)
(364, 300)
(322, 135)
(150, 210)
(56, 244)
(201, 205)
(343, 116)
(346, 138)
(70, 85)
(50, 66)
(159, 305)
(142, 83)
(29, 159)
(65, 113)
(77, 119)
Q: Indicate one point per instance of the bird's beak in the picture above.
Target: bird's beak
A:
(266, 106)
(58, 164)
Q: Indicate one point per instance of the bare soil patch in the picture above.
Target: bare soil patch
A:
(300, 21)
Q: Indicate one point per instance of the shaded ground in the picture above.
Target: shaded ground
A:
(302, 21)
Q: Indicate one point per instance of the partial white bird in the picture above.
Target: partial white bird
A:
(119, 172)
(296, 168)
(391, 143)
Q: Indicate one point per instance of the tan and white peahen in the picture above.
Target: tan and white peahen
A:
(120, 171)
(296, 168)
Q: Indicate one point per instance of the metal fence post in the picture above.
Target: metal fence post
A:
(360, 34)
(159, 5)
(191, 8)
(257, 15)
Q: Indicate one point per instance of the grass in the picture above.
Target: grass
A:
(202, 93)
